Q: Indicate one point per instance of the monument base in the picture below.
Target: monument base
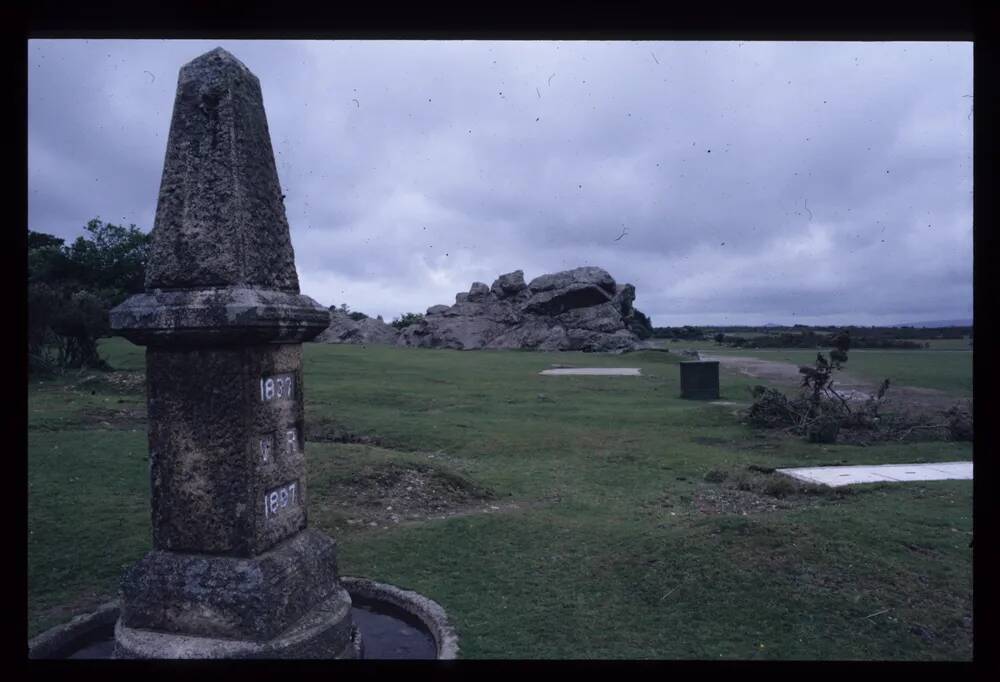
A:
(327, 631)
(233, 598)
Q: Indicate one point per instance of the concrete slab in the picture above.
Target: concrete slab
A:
(595, 371)
(881, 473)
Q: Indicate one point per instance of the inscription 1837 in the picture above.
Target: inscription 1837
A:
(278, 387)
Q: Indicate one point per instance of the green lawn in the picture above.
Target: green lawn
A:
(949, 344)
(599, 547)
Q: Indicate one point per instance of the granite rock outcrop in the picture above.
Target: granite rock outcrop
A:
(344, 329)
(579, 309)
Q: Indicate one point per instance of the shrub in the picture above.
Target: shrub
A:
(959, 423)
(715, 476)
(406, 319)
(779, 486)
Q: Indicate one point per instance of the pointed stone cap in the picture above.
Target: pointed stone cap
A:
(221, 268)
(220, 220)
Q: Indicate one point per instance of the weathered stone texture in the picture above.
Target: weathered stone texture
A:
(585, 275)
(579, 309)
(343, 329)
(234, 571)
(478, 291)
(218, 316)
(220, 219)
(234, 597)
(510, 284)
(206, 421)
(326, 631)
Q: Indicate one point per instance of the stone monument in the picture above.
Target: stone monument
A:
(234, 571)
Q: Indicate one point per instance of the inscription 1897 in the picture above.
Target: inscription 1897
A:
(279, 499)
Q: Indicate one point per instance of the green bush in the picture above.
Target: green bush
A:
(406, 319)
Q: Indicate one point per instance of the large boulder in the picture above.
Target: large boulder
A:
(579, 309)
(478, 292)
(573, 295)
(531, 334)
(604, 317)
(510, 284)
(343, 329)
(600, 342)
(460, 332)
(598, 277)
(623, 298)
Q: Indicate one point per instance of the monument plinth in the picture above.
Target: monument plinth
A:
(234, 571)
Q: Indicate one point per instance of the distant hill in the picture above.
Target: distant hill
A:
(937, 323)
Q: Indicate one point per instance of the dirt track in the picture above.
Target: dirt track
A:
(786, 375)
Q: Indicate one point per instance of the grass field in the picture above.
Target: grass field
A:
(950, 344)
(935, 344)
(587, 526)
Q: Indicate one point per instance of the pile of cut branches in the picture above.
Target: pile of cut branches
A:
(821, 414)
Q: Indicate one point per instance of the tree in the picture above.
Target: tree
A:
(720, 338)
(44, 305)
(72, 288)
(112, 259)
(640, 324)
(818, 381)
(818, 377)
(80, 324)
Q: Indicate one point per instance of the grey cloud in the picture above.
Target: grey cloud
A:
(751, 177)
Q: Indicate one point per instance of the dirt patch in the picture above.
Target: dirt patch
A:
(910, 399)
(755, 490)
(922, 550)
(117, 419)
(710, 440)
(716, 500)
(116, 382)
(327, 431)
(127, 381)
(388, 493)
(759, 441)
(783, 373)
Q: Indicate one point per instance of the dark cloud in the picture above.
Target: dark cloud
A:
(753, 182)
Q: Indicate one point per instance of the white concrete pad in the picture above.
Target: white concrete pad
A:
(881, 473)
(595, 371)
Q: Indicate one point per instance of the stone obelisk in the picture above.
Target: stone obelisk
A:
(234, 570)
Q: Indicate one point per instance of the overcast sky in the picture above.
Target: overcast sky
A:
(730, 182)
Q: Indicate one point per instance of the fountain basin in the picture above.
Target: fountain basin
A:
(394, 624)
